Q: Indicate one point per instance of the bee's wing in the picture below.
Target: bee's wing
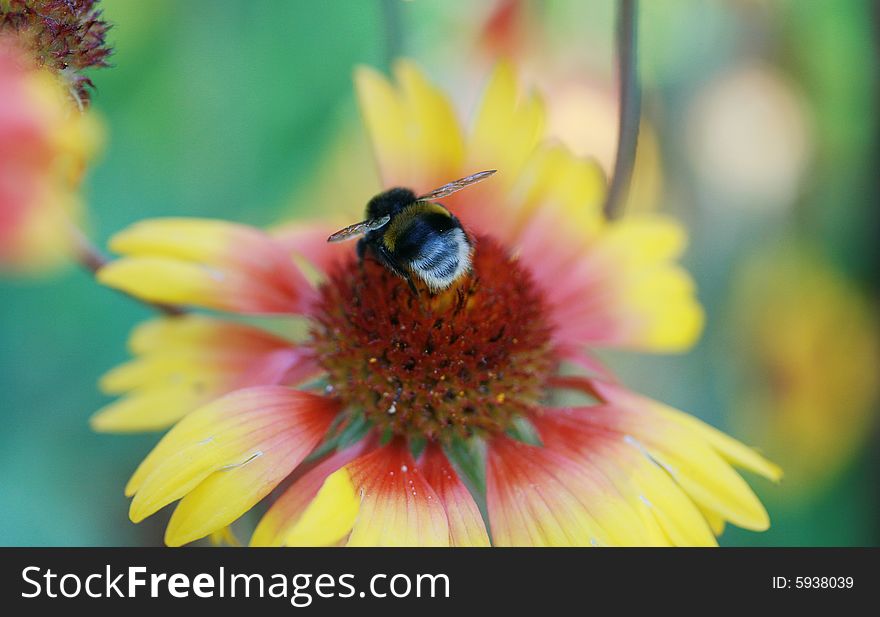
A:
(457, 185)
(358, 229)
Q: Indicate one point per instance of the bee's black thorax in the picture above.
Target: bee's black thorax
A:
(390, 202)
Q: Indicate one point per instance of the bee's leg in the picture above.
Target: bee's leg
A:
(390, 261)
(361, 249)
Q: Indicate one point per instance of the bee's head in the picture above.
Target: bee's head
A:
(390, 202)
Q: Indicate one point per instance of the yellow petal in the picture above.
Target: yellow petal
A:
(665, 314)
(687, 451)
(151, 410)
(226, 432)
(676, 513)
(660, 457)
(225, 537)
(185, 239)
(214, 264)
(416, 137)
(330, 516)
(287, 511)
(223, 458)
(507, 128)
(560, 196)
(181, 331)
(715, 521)
(164, 279)
(730, 449)
(644, 239)
(183, 362)
(538, 497)
(228, 492)
(709, 480)
(434, 128)
(170, 367)
(205, 241)
(651, 301)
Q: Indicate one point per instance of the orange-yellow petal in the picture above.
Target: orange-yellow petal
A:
(539, 497)
(207, 263)
(224, 457)
(393, 503)
(698, 458)
(309, 241)
(466, 526)
(624, 289)
(185, 361)
(283, 523)
(668, 515)
(398, 507)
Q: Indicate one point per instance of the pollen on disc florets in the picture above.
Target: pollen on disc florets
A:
(467, 360)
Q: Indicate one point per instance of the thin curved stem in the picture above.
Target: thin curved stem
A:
(92, 259)
(391, 16)
(629, 107)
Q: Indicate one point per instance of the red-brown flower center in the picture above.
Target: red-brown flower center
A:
(469, 359)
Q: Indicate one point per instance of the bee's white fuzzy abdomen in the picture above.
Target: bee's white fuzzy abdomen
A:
(439, 266)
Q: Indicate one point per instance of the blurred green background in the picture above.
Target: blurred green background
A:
(762, 133)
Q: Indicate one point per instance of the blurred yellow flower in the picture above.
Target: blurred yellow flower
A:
(551, 280)
(750, 138)
(45, 143)
(809, 358)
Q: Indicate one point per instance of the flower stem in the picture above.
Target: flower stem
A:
(629, 106)
(393, 30)
(92, 259)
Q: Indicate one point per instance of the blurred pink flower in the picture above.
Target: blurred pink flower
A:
(45, 143)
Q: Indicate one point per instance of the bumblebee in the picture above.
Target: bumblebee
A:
(413, 236)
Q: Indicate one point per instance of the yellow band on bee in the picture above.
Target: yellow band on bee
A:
(404, 219)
